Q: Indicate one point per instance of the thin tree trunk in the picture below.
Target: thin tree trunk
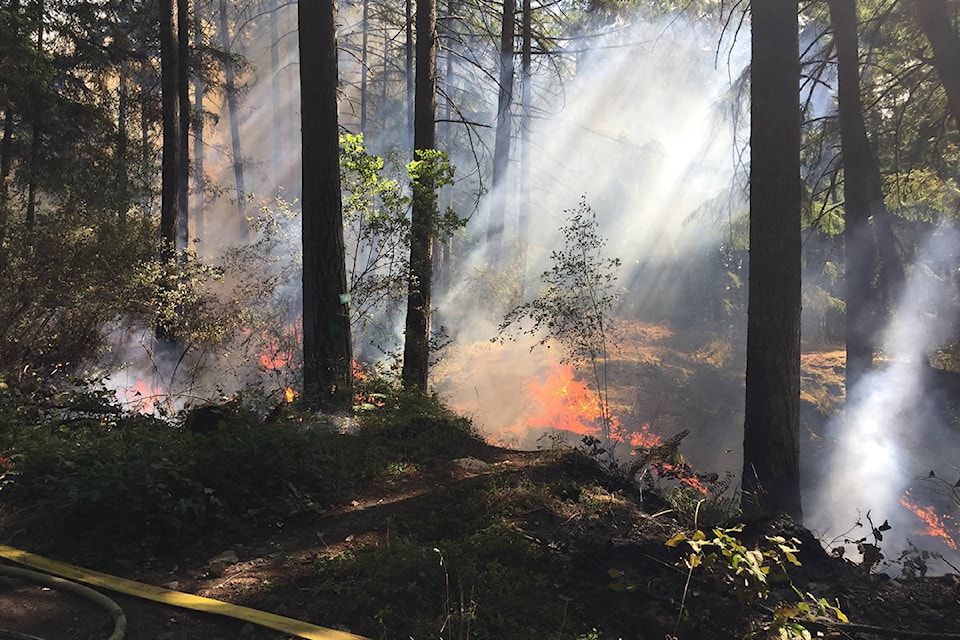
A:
(501, 149)
(183, 94)
(170, 154)
(6, 154)
(442, 246)
(276, 154)
(199, 88)
(233, 111)
(6, 161)
(364, 69)
(526, 97)
(935, 19)
(408, 61)
(771, 471)
(416, 351)
(123, 180)
(35, 133)
(145, 147)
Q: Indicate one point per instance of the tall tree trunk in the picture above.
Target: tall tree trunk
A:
(276, 154)
(35, 133)
(934, 17)
(771, 470)
(863, 195)
(327, 350)
(416, 348)
(364, 69)
(501, 149)
(199, 88)
(183, 94)
(523, 215)
(170, 153)
(123, 180)
(445, 134)
(233, 111)
(145, 146)
(408, 62)
(6, 162)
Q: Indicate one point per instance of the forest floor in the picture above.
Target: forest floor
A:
(557, 545)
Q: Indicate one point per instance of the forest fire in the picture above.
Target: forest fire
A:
(570, 405)
(144, 398)
(936, 526)
(275, 353)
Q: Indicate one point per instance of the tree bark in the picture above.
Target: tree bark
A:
(276, 154)
(33, 173)
(183, 95)
(935, 19)
(870, 247)
(327, 348)
(199, 88)
(501, 149)
(771, 470)
(526, 96)
(123, 180)
(170, 153)
(6, 161)
(416, 349)
(408, 63)
(364, 69)
(233, 111)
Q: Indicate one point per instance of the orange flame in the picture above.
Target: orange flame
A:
(289, 394)
(274, 355)
(936, 526)
(684, 474)
(644, 438)
(278, 346)
(569, 404)
(145, 398)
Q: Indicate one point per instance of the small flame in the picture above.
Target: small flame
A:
(644, 438)
(144, 398)
(936, 525)
(289, 394)
(274, 355)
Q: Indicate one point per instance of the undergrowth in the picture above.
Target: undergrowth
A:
(83, 478)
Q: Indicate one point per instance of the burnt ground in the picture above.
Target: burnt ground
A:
(585, 553)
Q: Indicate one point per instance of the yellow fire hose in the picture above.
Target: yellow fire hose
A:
(289, 626)
(105, 603)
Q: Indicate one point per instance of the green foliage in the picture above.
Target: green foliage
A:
(63, 284)
(377, 231)
(577, 293)
(412, 428)
(574, 304)
(749, 571)
(107, 486)
(432, 170)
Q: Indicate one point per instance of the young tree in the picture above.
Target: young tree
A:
(327, 347)
(771, 470)
(416, 346)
